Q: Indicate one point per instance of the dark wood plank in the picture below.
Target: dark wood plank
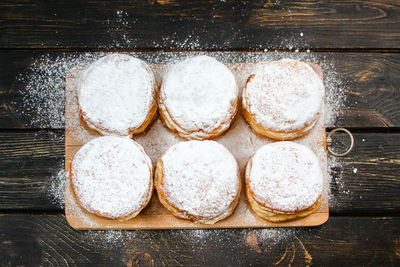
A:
(12, 65)
(367, 180)
(372, 81)
(29, 162)
(199, 24)
(49, 240)
(372, 90)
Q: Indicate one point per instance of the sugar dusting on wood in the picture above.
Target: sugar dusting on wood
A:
(337, 182)
(55, 190)
(43, 106)
(42, 88)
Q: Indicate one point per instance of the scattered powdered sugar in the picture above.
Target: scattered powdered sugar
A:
(119, 28)
(337, 183)
(42, 88)
(112, 176)
(203, 239)
(199, 234)
(43, 101)
(334, 93)
(200, 177)
(200, 95)
(285, 176)
(191, 41)
(55, 190)
(274, 236)
(195, 240)
(111, 238)
(116, 93)
(257, 239)
(284, 95)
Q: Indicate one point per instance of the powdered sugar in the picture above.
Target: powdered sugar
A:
(42, 105)
(116, 94)
(112, 238)
(200, 177)
(240, 140)
(56, 189)
(285, 176)
(73, 209)
(284, 95)
(112, 176)
(42, 89)
(200, 95)
(338, 185)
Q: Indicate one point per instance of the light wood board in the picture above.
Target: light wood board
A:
(239, 139)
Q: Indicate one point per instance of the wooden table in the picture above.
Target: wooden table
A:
(362, 39)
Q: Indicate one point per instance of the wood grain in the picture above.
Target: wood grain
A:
(372, 83)
(366, 182)
(199, 24)
(48, 240)
(28, 160)
(367, 176)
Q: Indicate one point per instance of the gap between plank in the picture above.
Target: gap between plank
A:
(271, 50)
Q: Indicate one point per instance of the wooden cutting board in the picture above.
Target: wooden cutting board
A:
(239, 139)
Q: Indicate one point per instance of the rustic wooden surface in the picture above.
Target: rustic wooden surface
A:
(343, 241)
(362, 39)
(199, 25)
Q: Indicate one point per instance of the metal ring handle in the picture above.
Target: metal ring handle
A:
(329, 142)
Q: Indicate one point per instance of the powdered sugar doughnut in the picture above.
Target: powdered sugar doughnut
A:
(112, 177)
(198, 98)
(117, 95)
(284, 181)
(283, 99)
(198, 180)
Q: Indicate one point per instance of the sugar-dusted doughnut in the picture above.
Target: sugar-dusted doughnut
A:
(198, 98)
(283, 99)
(199, 181)
(117, 95)
(284, 181)
(112, 177)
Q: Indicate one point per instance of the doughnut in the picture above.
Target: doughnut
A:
(111, 177)
(282, 100)
(198, 98)
(117, 95)
(284, 181)
(198, 181)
